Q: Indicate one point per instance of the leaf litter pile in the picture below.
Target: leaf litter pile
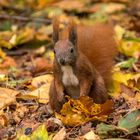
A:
(26, 59)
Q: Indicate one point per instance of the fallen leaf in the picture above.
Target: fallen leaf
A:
(3, 78)
(129, 48)
(60, 135)
(13, 39)
(2, 54)
(107, 8)
(40, 133)
(70, 5)
(137, 97)
(4, 3)
(43, 3)
(3, 120)
(122, 77)
(7, 97)
(91, 136)
(119, 32)
(8, 62)
(40, 80)
(41, 94)
(131, 121)
(50, 55)
(127, 64)
(104, 130)
(5, 36)
(127, 79)
(25, 35)
(42, 64)
(76, 112)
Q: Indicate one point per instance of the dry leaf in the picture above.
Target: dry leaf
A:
(75, 112)
(122, 77)
(3, 120)
(128, 79)
(70, 5)
(42, 94)
(8, 62)
(42, 64)
(7, 97)
(91, 136)
(2, 53)
(44, 79)
(137, 97)
(60, 135)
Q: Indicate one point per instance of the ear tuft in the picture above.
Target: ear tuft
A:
(55, 29)
(72, 32)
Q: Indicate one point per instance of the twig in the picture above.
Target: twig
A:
(11, 7)
(25, 19)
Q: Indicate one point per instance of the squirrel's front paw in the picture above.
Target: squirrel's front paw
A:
(82, 94)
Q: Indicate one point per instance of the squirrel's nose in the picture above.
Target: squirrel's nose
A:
(62, 61)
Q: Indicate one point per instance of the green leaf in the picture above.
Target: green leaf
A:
(103, 129)
(5, 26)
(130, 121)
(127, 64)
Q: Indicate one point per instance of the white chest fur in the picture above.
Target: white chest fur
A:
(69, 78)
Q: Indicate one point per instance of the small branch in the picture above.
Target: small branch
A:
(11, 7)
(25, 19)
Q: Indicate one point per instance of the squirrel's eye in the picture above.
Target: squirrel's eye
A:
(71, 50)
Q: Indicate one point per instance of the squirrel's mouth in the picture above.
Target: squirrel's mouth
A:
(65, 63)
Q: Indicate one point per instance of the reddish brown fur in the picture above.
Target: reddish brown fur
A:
(98, 44)
(96, 48)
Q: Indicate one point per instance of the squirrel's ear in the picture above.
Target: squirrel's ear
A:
(55, 29)
(72, 32)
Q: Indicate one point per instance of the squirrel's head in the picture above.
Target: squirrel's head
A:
(65, 50)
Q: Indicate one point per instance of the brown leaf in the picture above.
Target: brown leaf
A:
(8, 62)
(3, 120)
(42, 64)
(7, 97)
(70, 5)
(41, 94)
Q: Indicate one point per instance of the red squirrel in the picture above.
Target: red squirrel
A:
(83, 58)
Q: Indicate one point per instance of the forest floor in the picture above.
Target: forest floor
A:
(26, 65)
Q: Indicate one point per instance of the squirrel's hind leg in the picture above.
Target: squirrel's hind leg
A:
(98, 90)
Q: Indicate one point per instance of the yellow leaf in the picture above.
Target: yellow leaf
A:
(3, 78)
(5, 36)
(119, 32)
(122, 77)
(129, 48)
(128, 79)
(25, 35)
(2, 53)
(13, 39)
(76, 112)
